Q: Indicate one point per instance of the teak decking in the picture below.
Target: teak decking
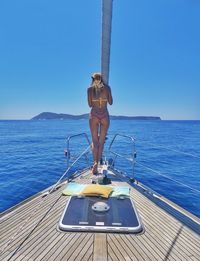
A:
(29, 232)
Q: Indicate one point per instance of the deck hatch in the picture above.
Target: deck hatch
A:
(121, 216)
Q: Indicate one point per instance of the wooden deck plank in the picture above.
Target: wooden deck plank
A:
(22, 210)
(165, 238)
(87, 251)
(156, 221)
(55, 248)
(111, 254)
(66, 248)
(100, 247)
(165, 241)
(18, 209)
(42, 250)
(39, 210)
(138, 246)
(125, 250)
(42, 229)
(79, 252)
(133, 247)
(149, 247)
(37, 242)
(142, 201)
(113, 251)
(192, 258)
(153, 212)
(29, 227)
(11, 226)
(162, 248)
(184, 244)
(46, 230)
(43, 254)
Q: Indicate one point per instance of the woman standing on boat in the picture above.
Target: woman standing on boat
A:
(99, 94)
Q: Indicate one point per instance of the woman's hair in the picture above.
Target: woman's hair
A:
(97, 88)
(96, 76)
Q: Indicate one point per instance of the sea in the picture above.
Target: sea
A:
(32, 156)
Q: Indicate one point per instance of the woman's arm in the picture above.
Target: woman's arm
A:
(110, 99)
(89, 97)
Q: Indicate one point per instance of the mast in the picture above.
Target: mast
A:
(106, 38)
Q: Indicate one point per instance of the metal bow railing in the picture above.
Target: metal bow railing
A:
(132, 156)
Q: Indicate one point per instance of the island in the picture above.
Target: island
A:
(62, 116)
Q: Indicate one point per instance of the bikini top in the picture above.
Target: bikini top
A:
(100, 100)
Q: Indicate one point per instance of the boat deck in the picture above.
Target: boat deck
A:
(29, 231)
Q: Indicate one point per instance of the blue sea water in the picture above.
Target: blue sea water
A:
(32, 156)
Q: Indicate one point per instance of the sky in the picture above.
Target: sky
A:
(49, 49)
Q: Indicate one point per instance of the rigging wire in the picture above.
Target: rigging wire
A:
(163, 175)
(167, 148)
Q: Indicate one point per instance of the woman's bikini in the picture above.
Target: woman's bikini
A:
(99, 113)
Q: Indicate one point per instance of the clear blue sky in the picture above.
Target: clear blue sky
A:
(48, 50)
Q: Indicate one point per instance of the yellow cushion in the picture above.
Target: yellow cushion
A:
(96, 191)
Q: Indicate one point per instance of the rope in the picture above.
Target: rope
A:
(159, 173)
(106, 39)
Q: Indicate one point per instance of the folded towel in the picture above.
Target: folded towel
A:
(73, 189)
(120, 191)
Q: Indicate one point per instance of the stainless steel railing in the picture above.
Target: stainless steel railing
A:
(84, 153)
(67, 154)
(133, 151)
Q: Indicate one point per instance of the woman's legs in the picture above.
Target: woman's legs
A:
(94, 127)
(98, 132)
(105, 122)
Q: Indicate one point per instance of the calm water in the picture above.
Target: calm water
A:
(32, 156)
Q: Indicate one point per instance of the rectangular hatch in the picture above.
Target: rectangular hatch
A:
(115, 214)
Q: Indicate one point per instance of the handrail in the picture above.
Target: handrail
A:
(79, 134)
(67, 153)
(133, 155)
(68, 140)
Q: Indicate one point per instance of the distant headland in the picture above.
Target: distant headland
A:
(62, 116)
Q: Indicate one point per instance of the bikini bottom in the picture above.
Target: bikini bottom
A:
(99, 115)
